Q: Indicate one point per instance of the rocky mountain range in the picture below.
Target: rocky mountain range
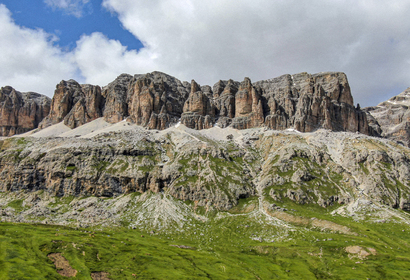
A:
(302, 101)
(93, 142)
(156, 100)
(214, 168)
(150, 171)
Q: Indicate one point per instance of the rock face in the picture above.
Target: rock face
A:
(199, 110)
(153, 100)
(304, 102)
(74, 104)
(210, 169)
(156, 100)
(21, 112)
(391, 118)
(307, 102)
(115, 94)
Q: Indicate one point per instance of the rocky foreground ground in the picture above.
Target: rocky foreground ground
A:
(101, 170)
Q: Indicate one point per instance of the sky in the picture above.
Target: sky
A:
(93, 41)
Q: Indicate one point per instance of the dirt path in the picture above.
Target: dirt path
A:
(62, 265)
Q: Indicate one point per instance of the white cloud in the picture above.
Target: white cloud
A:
(101, 60)
(71, 7)
(29, 61)
(220, 39)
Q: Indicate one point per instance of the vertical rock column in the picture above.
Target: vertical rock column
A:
(199, 112)
(248, 107)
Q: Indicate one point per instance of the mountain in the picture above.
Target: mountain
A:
(214, 167)
(21, 112)
(303, 101)
(99, 145)
(216, 203)
(152, 178)
(157, 101)
(391, 118)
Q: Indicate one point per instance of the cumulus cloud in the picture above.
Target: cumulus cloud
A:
(29, 60)
(71, 7)
(220, 39)
(100, 59)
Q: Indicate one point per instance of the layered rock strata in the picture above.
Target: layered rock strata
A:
(391, 118)
(199, 109)
(306, 102)
(210, 169)
(21, 111)
(303, 101)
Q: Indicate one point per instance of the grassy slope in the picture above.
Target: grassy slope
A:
(223, 249)
(229, 246)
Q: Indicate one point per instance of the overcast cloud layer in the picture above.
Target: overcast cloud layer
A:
(222, 39)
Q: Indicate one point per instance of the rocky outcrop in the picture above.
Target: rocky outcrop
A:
(74, 104)
(115, 94)
(21, 112)
(88, 108)
(248, 106)
(307, 102)
(199, 110)
(156, 100)
(391, 118)
(303, 101)
(210, 169)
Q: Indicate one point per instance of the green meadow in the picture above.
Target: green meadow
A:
(229, 245)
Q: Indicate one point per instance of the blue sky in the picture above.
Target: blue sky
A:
(68, 27)
(45, 41)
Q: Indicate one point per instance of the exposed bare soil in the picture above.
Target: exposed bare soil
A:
(62, 265)
(100, 276)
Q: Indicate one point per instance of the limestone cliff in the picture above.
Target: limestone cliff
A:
(391, 118)
(199, 110)
(211, 167)
(156, 100)
(74, 104)
(21, 112)
(303, 101)
(307, 102)
(115, 94)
